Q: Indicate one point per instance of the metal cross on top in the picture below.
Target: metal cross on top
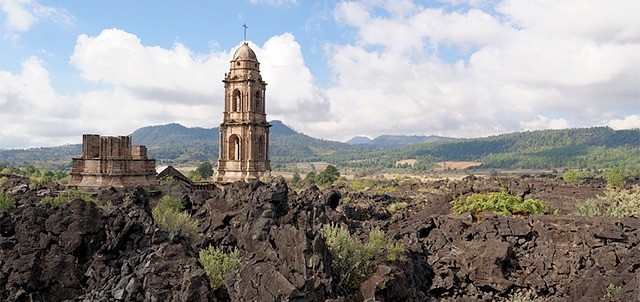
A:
(245, 31)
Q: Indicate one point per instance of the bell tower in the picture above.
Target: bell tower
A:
(244, 132)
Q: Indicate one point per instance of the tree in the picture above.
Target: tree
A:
(328, 176)
(296, 178)
(205, 170)
(310, 178)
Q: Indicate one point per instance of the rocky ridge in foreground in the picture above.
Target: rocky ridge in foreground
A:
(115, 252)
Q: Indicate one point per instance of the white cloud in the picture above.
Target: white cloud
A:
(21, 15)
(628, 122)
(470, 68)
(29, 105)
(149, 72)
(515, 69)
(292, 93)
(147, 85)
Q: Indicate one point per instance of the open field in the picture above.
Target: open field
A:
(456, 165)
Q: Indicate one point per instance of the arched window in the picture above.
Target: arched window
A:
(235, 102)
(234, 147)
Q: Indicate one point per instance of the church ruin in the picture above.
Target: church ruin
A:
(112, 161)
(244, 132)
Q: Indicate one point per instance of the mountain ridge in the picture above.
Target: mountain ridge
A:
(580, 147)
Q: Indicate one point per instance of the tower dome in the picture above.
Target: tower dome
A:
(245, 53)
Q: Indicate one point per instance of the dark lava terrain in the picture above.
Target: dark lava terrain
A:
(115, 252)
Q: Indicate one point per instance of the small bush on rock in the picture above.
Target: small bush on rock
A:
(395, 206)
(526, 296)
(611, 292)
(4, 181)
(352, 258)
(168, 215)
(501, 203)
(614, 203)
(65, 197)
(217, 264)
(6, 201)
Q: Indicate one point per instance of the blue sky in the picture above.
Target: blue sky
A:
(336, 69)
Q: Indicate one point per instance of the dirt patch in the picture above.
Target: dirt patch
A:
(456, 165)
(409, 162)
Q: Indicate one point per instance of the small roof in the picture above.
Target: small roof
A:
(245, 53)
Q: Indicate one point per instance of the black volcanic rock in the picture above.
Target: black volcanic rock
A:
(115, 252)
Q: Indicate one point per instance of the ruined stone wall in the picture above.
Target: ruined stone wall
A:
(112, 161)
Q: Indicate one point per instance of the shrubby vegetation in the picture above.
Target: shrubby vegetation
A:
(378, 186)
(353, 259)
(501, 203)
(35, 175)
(202, 172)
(323, 179)
(614, 203)
(66, 197)
(6, 201)
(168, 214)
(525, 296)
(217, 264)
(615, 179)
(611, 292)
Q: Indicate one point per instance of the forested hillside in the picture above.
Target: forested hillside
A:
(598, 147)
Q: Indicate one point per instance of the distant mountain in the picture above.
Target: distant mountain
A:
(405, 140)
(597, 147)
(171, 134)
(394, 141)
(359, 140)
(172, 143)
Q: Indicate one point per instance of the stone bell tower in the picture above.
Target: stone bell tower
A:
(244, 132)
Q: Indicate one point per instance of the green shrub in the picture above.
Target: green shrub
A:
(4, 181)
(168, 216)
(615, 179)
(611, 292)
(525, 296)
(613, 203)
(217, 264)
(572, 177)
(352, 258)
(395, 206)
(501, 203)
(395, 251)
(169, 203)
(589, 208)
(6, 201)
(65, 197)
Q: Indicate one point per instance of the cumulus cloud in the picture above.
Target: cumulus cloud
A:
(150, 73)
(21, 15)
(30, 105)
(628, 122)
(517, 64)
(147, 85)
(292, 92)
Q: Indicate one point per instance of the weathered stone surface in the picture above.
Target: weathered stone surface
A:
(82, 252)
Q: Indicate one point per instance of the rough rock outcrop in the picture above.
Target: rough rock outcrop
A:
(114, 251)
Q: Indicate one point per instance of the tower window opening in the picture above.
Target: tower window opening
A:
(235, 103)
(234, 147)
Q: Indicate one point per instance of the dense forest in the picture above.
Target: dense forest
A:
(581, 148)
